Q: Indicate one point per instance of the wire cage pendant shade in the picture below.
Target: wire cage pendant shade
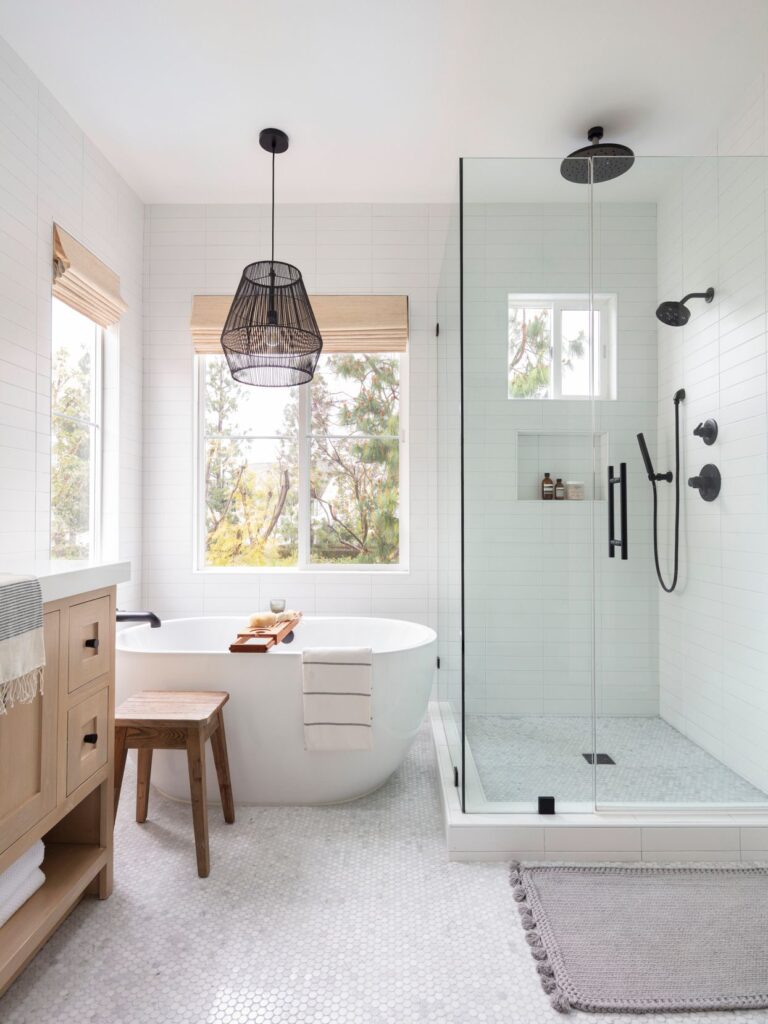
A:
(270, 337)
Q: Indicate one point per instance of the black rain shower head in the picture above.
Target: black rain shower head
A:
(613, 160)
(677, 314)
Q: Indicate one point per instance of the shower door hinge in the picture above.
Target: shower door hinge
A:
(437, 330)
(456, 776)
(438, 661)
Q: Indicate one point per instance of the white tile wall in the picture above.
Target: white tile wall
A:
(339, 248)
(713, 650)
(49, 171)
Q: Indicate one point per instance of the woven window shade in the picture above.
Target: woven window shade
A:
(348, 323)
(85, 283)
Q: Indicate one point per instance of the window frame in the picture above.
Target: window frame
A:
(303, 563)
(95, 425)
(605, 304)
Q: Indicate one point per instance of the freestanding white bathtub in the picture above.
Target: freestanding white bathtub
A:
(263, 718)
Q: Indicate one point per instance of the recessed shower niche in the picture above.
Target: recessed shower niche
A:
(580, 457)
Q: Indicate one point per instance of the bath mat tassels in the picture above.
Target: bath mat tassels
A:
(546, 972)
(22, 649)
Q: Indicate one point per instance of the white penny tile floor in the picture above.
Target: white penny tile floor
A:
(339, 915)
(521, 758)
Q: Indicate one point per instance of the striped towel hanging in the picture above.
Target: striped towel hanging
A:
(22, 650)
(337, 698)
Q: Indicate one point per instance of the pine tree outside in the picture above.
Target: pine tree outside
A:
(252, 480)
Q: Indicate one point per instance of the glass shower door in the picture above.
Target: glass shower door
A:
(529, 369)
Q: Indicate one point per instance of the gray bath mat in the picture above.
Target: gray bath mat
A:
(647, 939)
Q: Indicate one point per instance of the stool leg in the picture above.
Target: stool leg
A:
(221, 760)
(142, 784)
(196, 763)
(121, 753)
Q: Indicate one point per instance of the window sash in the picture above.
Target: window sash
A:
(305, 438)
(94, 424)
(604, 306)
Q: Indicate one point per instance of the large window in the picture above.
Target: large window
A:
(305, 477)
(75, 434)
(551, 351)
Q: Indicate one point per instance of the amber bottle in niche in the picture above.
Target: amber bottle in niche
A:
(547, 488)
(559, 490)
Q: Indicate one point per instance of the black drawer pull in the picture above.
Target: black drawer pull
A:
(91, 737)
(93, 643)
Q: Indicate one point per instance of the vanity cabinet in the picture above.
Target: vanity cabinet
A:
(56, 773)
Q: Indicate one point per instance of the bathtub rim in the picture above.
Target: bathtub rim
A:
(121, 647)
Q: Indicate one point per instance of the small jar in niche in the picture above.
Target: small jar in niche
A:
(574, 490)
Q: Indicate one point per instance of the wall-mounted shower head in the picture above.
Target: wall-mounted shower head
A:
(677, 314)
(613, 160)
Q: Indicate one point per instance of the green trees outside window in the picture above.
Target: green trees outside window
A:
(75, 432)
(324, 465)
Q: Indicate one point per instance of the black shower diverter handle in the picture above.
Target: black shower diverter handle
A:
(707, 431)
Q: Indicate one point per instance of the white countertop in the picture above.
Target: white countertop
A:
(59, 580)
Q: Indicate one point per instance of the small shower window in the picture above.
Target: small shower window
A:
(552, 353)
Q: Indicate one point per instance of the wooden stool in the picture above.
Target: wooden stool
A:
(176, 720)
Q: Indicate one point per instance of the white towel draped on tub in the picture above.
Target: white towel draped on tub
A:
(337, 698)
(20, 881)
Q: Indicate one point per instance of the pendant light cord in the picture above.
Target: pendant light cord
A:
(273, 202)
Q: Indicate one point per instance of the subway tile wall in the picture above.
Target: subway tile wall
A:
(49, 171)
(374, 249)
(712, 630)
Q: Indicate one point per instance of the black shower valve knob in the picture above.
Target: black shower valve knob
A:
(707, 431)
(707, 483)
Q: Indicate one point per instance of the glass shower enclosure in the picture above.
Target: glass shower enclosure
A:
(571, 670)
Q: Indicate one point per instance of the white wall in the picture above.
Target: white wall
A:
(529, 564)
(713, 637)
(49, 171)
(343, 249)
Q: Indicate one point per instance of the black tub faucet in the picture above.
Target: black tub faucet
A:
(149, 617)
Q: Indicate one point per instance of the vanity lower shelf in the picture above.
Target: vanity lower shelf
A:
(68, 869)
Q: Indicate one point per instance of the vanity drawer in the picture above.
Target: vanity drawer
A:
(89, 718)
(90, 642)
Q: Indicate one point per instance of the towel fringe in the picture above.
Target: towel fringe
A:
(22, 690)
(557, 997)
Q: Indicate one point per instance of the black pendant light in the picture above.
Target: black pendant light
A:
(271, 338)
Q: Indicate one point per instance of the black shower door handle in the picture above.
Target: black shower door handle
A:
(613, 541)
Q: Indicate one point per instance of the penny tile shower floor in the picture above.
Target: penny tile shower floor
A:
(339, 915)
(521, 758)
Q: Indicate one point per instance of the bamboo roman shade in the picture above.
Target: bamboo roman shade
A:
(85, 283)
(348, 323)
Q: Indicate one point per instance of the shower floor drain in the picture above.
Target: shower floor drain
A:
(598, 758)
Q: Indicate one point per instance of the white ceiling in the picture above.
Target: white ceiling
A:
(380, 97)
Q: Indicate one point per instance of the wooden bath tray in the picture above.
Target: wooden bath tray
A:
(259, 641)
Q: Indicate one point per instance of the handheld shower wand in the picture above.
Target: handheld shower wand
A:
(668, 477)
(649, 465)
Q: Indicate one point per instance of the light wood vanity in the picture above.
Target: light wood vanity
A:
(56, 769)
